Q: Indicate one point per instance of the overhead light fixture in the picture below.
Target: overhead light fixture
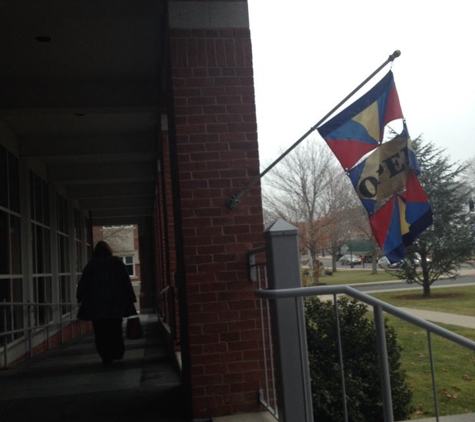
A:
(43, 38)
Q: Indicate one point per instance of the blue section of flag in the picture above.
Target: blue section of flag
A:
(359, 128)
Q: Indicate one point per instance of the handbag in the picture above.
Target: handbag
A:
(133, 329)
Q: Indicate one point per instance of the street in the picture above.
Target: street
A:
(467, 277)
(465, 280)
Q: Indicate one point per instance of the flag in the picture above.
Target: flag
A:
(401, 219)
(359, 128)
(384, 175)
(384, 172)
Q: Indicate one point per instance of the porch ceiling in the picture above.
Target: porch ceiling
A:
(80, 89)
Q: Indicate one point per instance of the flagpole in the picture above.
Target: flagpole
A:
(233, 202)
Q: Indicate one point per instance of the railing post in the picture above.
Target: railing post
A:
(288, 322)
(30, 334)
(383, 364)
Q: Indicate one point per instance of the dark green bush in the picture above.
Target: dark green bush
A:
(360, 358)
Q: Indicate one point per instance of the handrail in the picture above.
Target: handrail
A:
(30, 328)
(379, 307)
(282, 259)
(370, 300)
(166, 310)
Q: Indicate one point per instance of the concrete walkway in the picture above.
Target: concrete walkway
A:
(443, 317)
(70, 384)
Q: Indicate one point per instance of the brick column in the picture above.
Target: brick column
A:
(216, 137)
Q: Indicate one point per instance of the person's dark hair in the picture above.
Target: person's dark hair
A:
(102, 250)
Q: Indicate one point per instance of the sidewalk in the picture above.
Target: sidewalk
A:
(443, 317)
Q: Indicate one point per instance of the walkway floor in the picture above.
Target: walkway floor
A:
(70, 384)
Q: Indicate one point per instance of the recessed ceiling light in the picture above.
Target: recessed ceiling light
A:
(43, 38)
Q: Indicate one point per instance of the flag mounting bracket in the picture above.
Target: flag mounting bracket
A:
(233, 201)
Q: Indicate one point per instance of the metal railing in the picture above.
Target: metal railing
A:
(65, 313)
(258, 274)
(268, 397)
(166, 310)
(379, 307)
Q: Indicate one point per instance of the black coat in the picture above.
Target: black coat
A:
(105, 290)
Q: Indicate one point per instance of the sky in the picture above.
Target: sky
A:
(308, 55)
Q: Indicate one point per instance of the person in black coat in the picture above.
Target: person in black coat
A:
(106, 295)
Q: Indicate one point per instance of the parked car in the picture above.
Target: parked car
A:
(415, 260)
(350, 259)
(383, 262)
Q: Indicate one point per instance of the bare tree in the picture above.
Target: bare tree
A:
(469, 172)
(360, 223)
(310, 189)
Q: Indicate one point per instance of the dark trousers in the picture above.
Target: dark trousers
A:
(108, 338)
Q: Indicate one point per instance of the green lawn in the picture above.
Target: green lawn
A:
(355, 276)
(454, 370)
(457, 300)
(454, 365)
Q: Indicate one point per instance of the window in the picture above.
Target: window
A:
(62, 237)
(10, 243)
(11, 317)
(11, 281)
(4, 186)
(129, 264)
(9, 181)
(10, 223)
(43, 295)
(78, 242)
(41, 247)
(39, 200)
(88, 236)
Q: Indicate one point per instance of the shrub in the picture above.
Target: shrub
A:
(360, 358)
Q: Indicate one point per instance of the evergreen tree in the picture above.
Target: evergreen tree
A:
(448, 243)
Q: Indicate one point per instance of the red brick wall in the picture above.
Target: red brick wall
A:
(218, 156)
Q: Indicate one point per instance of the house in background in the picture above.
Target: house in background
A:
(124, 241)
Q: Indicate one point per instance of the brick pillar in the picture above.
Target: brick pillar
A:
(217, 156)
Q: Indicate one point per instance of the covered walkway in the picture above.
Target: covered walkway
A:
(69, 383)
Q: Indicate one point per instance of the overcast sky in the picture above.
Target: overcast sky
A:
(308, 55)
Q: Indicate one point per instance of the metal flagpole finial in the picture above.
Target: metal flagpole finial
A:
(395, 55)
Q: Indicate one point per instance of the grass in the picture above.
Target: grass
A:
(355, 276)
(454, 364)
(457, 300)
(454, 370)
